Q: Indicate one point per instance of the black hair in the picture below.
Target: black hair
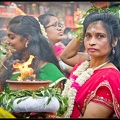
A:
(111, 23)
(28, 26)
(45, 18)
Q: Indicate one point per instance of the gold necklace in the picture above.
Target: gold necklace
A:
(101, 65)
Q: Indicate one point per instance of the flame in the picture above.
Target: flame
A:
(24, 69)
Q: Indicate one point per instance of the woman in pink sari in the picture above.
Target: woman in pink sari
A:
(93, 88)
(54, 30)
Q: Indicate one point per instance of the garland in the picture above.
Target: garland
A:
(82, 73)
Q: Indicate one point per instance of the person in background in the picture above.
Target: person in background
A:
(95, 84)
(54, 31)
(26, 37)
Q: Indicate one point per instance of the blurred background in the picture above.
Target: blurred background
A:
(66, 12)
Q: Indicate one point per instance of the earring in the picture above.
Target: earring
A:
(26, 45)
(113, 50)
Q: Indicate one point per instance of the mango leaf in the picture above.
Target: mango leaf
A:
(10, 95)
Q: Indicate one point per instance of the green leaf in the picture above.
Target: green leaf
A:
(10, 95)
(113, 10)
(49, 99)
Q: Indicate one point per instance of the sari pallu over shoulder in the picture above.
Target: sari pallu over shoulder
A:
(108, 77)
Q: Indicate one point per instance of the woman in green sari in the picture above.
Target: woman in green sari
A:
(25, 37)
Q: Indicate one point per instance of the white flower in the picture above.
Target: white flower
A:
(67, 86)
(81, 68)
(42, 29)
(83, 73)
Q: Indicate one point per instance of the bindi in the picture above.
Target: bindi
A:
(93, 29)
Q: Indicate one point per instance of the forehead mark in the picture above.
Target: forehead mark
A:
(93, 29)
(93, 26)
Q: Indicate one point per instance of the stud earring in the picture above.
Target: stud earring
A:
(26, 45)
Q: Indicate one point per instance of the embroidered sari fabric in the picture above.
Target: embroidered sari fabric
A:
(109, 80)
(47, 72)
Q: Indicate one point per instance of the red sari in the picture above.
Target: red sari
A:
(103, 86)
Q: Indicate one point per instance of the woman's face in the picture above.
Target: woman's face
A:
(54, 32)
(15, 42)
(96, 41)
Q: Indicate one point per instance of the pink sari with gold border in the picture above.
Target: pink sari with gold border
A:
(106, 77)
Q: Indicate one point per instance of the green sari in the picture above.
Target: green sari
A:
(47, 72)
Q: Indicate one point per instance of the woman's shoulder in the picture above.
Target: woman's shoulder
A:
(110, 74)
(109, 70)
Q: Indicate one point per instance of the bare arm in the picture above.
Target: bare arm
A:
(94, 110)
(70, 54)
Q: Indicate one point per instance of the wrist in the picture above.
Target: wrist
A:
(78, 40)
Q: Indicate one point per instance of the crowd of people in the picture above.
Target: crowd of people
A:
(90, 78)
